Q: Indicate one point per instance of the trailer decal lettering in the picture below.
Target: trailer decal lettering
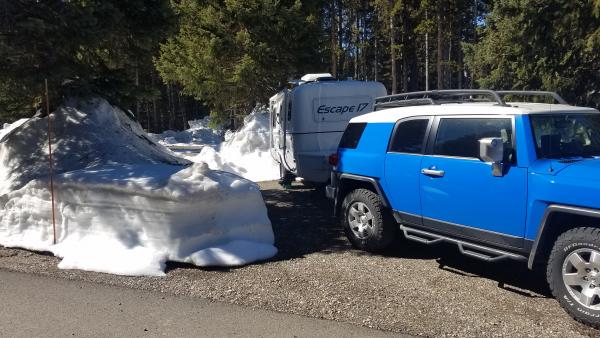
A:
(324, 109)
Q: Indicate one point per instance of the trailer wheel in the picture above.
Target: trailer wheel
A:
(285, 177)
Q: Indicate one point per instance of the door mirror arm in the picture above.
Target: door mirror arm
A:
(498, 169)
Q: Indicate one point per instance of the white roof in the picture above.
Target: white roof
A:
(392, 115)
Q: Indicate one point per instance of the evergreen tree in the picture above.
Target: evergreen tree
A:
(541, 44)
(81, 47)
(232, 54)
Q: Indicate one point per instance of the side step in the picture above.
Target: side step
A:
(478, 251)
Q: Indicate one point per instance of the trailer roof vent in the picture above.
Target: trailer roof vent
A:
(317, 77)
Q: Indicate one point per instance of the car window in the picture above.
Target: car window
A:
(409, 136)
(460, 136)
(352, 135)
(566, 135)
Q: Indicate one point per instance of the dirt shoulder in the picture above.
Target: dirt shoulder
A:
(412, 288)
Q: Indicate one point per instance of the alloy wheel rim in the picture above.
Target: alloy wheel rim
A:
(360, 220)
(581, 276)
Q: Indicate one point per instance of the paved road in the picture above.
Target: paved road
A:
(36, 306)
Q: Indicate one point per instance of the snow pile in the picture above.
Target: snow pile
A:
(7, 128)
(245, 152)
(124, 205)
(198, 134)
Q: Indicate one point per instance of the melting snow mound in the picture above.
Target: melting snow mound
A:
(245, 152)
(198, 134)
(124, 204)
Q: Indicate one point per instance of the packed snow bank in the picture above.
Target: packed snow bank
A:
(8, 127)
(245, 152)
(198, 134)
(124, 205)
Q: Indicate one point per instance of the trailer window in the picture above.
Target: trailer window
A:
(352, 135)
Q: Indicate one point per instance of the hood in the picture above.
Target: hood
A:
(584, 169)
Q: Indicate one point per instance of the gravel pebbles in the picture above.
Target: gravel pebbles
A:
(412, 288)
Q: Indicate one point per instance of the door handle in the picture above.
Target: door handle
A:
(431, 172)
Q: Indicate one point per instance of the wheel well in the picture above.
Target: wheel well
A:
(559, 222)
(348, 185)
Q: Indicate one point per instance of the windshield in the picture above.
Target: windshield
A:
(566, 135)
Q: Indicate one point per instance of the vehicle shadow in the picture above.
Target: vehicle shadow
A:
(511, 275)
(303, 223)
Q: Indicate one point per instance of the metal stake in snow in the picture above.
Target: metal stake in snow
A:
(50, 162)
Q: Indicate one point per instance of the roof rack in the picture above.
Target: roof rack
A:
(434, 97)
(553, 95)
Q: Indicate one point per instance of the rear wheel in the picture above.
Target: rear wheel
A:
(573, 274)
(367, 223)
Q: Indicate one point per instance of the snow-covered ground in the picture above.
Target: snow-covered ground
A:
(244, 152)
(199, 133)
(124, 204)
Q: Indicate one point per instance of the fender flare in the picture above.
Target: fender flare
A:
(351, 177)
(551, 209)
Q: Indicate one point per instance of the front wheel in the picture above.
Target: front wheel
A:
(573, 273)
(367, 223)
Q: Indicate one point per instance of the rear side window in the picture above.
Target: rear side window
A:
(460, 136)
(409, 136)
(352, 135)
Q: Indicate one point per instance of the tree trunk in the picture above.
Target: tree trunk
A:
(334, 42)
(440, 51)
(182, 110)
(376, 58)
(365, 43)
(154, 112)
(137, 85)
(340, 49)
(448, 70)
(475, 13)
(404, 49)
(393, 50)
(171, 108)
(427, 54)
(459, 61)
(356, 43)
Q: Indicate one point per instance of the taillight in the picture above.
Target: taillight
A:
(334, 159)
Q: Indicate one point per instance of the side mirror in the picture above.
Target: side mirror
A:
(492, 150)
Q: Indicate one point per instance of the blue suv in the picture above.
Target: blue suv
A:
(498, 178)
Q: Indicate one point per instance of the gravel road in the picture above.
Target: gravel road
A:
(412, 288)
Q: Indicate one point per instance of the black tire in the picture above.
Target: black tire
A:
(286, 177)
(380, 232)
(569, 248)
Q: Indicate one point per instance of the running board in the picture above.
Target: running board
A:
(482, 252)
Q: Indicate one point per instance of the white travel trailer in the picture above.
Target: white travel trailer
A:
(308, 120)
